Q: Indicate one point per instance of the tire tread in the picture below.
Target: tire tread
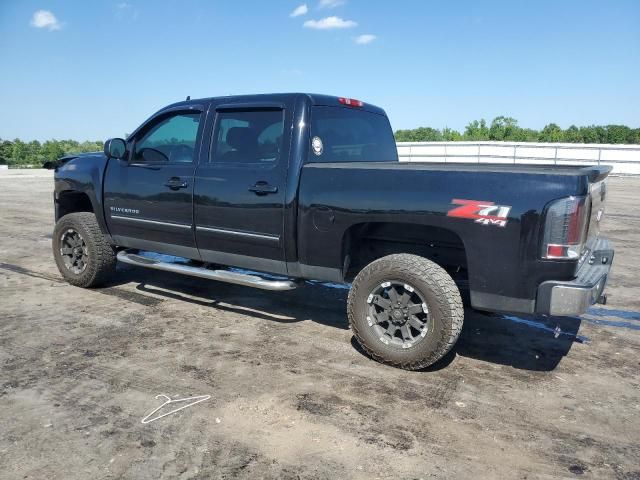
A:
(449, 303)
(102, 262)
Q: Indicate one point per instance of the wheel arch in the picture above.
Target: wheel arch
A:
(365, 242)
(72, 201)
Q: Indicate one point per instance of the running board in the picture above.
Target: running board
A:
(220, 275)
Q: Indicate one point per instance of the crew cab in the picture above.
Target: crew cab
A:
(270, 190)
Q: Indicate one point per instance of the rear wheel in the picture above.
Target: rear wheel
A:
(405, 311)
(82, 254)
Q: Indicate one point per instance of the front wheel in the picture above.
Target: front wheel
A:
(82, 254)
(405, 311)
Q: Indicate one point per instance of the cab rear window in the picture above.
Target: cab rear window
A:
(341, 134)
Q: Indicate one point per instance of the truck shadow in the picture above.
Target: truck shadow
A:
(309, 302)
(524, 342)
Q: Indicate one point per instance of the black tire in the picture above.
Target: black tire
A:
(432, 283)
(99, 255)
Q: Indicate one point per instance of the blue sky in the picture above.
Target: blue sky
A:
(96, 69)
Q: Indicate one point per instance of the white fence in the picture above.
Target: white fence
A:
(625, 159)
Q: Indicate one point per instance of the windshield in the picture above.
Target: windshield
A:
(341, 134)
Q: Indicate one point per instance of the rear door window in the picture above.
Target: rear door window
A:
(341, 134)
(248, 137)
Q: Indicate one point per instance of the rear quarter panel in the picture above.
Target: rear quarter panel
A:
(503, 262)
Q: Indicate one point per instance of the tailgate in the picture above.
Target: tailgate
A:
(598, 195)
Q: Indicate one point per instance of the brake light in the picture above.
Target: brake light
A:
(565, 228)
(350, 102)
(577, 217)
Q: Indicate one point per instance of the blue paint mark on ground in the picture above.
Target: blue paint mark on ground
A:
(613, 323)
(607, 312)
(628, 318)
(542, 326)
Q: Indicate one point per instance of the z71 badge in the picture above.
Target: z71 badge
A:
(486, 213)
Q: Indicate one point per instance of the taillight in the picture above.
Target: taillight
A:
(565, 228)
(350, 102)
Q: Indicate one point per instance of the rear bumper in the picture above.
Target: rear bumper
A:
(565, 298)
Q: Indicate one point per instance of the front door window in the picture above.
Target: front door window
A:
(171, 140)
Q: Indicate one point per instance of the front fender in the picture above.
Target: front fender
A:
(85, 174)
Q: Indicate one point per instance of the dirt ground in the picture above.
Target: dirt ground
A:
(292, 396)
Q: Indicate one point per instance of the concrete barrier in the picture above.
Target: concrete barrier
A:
(625, 159)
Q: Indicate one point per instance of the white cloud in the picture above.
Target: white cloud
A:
(45, 19)
(127, 11)
(330, 23)
(301, 10)
(331, 3)
(364, 39)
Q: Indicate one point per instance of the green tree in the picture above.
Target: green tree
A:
(34, 155)
(6, 152)
(572, 135)
(503, 128)
(422, 134)
(588, 134)
(601, 134)
(450, 135)
(477, 130)
(52, 150)
(506, 129)
(551, 133)
(19, 152)
(618, 134)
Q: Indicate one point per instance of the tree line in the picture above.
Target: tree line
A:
(34, 153)
(507, 129)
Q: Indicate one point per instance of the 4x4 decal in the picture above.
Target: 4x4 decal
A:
(486, 213)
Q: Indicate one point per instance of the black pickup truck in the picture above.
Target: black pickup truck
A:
(300, 186)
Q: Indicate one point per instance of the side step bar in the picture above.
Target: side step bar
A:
(221, 275)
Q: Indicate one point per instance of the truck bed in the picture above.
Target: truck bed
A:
(594, 172)
(502, 261)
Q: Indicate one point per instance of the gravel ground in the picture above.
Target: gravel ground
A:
(291, 394)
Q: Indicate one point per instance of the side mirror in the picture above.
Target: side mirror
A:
(115, 148)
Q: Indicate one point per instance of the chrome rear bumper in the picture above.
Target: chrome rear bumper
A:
(576, 296)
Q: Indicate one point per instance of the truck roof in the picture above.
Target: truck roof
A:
(313, 99)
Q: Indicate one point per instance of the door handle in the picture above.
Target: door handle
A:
(263, 188)
(175, 183)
